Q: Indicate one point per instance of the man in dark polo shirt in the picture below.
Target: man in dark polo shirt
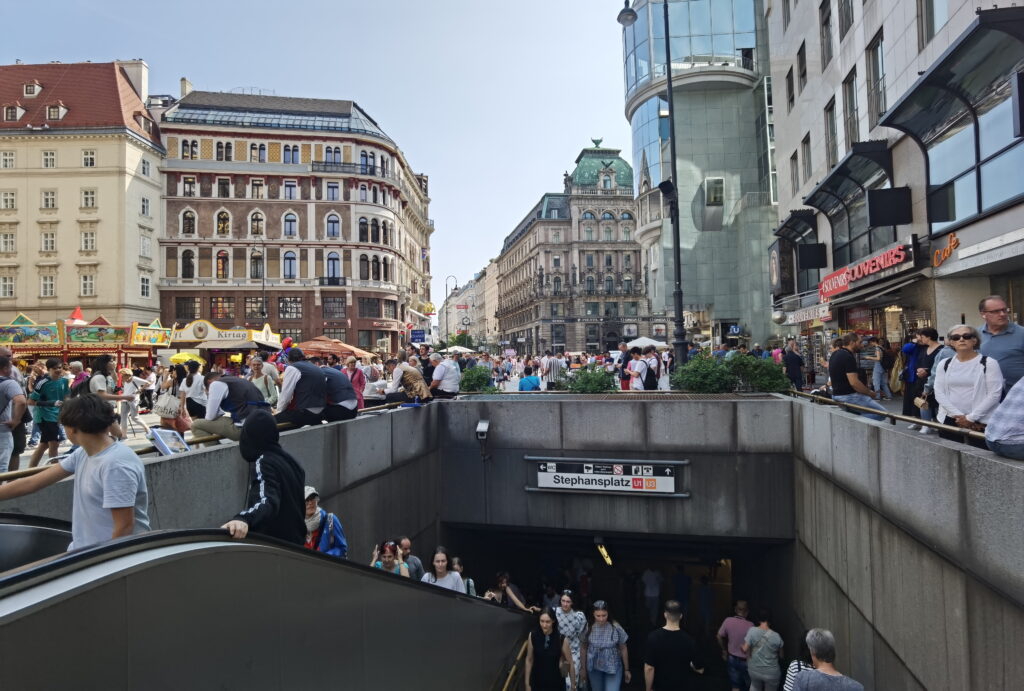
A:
(671, 658)
(844, 371)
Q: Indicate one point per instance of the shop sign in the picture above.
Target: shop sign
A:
(941, 255)
(808, 314)
(383, 324)
(781, 270)
(887, 262)
(462, 307)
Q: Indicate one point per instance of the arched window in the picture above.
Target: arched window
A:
(256, 223)
(588, 234)
(607, 216)
(228, 153)
(256, 264)
(195, 149)
(263, 153)
(290, 223)
(625, 234)
(606, 182)
(609, 285)
(333, 265)
(220, 151)
(627, 285)
(188, 223)
(588, 216)
(223, 223)
(607, 234)
(385, 201)
(590, 284)
(384, 232)
(337, 154)
(289, 265)
(374, 231)
(375, 197)
(222, 264)
(188, 264)
(557, 285)
(362, 193)
(364, 161)
(375, 269)
(364, 230)
(287, 153)
(627, 260)
(333, 226)
(373, 164)
(626, 216)
(387, 269)
(364, 267)
(254, 154)
(383, 165)
(186, 150)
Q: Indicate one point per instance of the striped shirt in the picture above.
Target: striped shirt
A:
(1007, 423)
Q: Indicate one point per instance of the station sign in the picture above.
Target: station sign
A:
(626, 478)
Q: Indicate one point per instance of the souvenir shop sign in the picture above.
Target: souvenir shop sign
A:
(809, 314)
(889, 261)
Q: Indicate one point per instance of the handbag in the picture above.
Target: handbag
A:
(921, 402)
(167, 405)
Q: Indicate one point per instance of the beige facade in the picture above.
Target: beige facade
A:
(489, 330)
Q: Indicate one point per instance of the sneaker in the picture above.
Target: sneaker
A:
(926, 430)
(913, 426)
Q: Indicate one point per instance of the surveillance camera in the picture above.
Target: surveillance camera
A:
(481, 429)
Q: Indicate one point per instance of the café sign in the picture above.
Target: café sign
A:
(883, 264)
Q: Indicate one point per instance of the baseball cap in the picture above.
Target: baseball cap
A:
(310, 491)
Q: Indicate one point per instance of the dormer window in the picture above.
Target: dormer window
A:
(12, 113)
(31, 89)
(55, 111)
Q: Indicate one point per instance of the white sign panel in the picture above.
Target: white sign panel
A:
(627, 478)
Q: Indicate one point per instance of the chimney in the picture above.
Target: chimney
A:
(138, 74)
(186, 87)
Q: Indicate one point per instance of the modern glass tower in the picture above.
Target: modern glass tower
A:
(726, 169)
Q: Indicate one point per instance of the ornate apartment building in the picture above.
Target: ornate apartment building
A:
(298, 212)
(79, 192)
(570, 275)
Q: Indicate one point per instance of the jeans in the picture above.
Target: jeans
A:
(6, 448)
(604, 681)
(36, 433)
(880, 378)
(738, 677)
(1007, 450)
(863, 401)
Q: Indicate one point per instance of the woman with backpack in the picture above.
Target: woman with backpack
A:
(968, 385)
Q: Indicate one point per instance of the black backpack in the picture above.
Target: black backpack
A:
(80, 388)
(651, 378)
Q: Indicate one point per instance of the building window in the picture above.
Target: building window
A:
(8, 200)
(588, 234)
(556, 261)
(805, 153)
(49, 159)
(851, 123)
(289, 269)
(294, 334)
(145, 167)
(627, 260)
(608, 261)
(88, 199)
(332, 192)
(876, 80)
(256, 264)
(714, 191)
(289, 307)
(222, 308)
(257, 189)
(89, 158)
(589, 261)
(188, 187)
(254, 155)
(364, 230)
(390, 309)
(288, 157)
(609, 285)
(290, 190)
(145, 207)
(556, 236)
(223, 187)
(375, 269)
(255, 308)
(188, 223)
(786, 13)
(369, 308)
(607, 234)
(46, 286)
(794, 173)
(631, 309)
(223, 223)
(49, 199)
(7, 282)
(831, 134)
(333, 265)
(186, 150)
(627, 285)
(263, 153)
(592, 309)
(256, 223)
(556, 286)
(145, 286)
(611, 309)
(88, 241)
(220, 151)
(931, 16)
(10, 113)
(188, 264)
(364, 268)
(606, 182)
(846, 17)
(825, 32)
(145, 247)
(557, 309)
(290, 223)
(333, 226)
(386, 268)
(335, 308)
(790, 92)
(87, 285)
(335, 333)
(53, 112)
(228, 152)
(362, 193)
(591, 285)
(374, 231)
(7, 243)
(223, 264)
(7, 159)
(801, 66)
(384, 236)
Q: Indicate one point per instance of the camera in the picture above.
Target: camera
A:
(481, 429)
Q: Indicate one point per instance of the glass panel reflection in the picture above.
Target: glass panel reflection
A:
(700, 17)
(743, 15)
(953, 202)
(951, 153)
(721, 17)
(995, 124)
(1001, 178)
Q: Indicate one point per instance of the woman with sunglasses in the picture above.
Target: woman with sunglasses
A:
(385, 557)
(546, 649)
(572, 624)
(604, 652)
(968, 385)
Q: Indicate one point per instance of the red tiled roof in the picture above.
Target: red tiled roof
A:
(96, 94)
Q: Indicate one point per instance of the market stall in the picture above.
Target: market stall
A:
(74, 339)
(322, 346)
(226, 348)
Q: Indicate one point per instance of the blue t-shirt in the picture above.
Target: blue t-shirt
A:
(1007, 347)
(530, 383)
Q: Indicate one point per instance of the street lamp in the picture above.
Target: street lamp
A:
(447, 294)
(627, 16)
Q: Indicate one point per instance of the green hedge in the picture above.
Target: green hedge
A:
(707, 374)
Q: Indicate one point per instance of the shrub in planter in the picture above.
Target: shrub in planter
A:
(758, 374)
(475, 379)
(704, 374)
(591, 379)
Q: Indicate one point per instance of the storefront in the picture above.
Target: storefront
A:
(226, 348)
(75, 339)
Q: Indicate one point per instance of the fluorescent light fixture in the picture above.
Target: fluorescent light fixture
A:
(604, 554)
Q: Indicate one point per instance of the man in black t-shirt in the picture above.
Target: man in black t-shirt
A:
(844, 371)
(671, 654)
(794, 365)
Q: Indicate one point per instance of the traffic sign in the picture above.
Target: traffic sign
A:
(418, 335)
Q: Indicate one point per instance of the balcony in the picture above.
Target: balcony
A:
(353, 169)
(599, 191)
(334, 281)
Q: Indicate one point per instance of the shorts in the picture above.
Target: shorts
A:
(49, 431)
(738, 677)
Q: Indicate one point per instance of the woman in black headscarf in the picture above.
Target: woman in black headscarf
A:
(276, 506)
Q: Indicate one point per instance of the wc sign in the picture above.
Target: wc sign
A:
(594, 476)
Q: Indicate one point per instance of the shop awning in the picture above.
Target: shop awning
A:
(418, 314)
(227, 345)
(799, 224)
(981, 60)
(877, 290)
(867, 165)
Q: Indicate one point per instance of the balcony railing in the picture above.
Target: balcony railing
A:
(621, 191)
(353, 169)
(332, 281)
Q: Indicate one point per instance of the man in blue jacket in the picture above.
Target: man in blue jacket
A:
(323, 530)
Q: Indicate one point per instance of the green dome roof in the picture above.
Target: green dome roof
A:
(593, 160)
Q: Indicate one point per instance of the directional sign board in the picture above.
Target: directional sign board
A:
(418, 335)
(639, 478)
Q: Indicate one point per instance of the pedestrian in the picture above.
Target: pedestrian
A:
(622, 365)
(110, 499)
(13, 405)
(794, 365)
(303, 392)
(653, 373)
(324, 533)
(229, 401)
(506, 594)
(446, 377)
(763, 648)
(801, 663)
(342, 399)
(572, 623)
(879, 353)
(146, 395)
(101, 383)
(529, 382)
(415, 565)
(671, 654)
(386, 556)
(604, 652)
(1004, 433)
(546, 651)
(275, 501)
(652, 580)
(845, 376)
(263, 380)
(637, 369)
(358, 379)
(824, 676)
(439, 574)
(459, 568)
(406, 385)
(968, 386)
(168, 406)
(928, 350)
(132, 385)
(1002, 339)
(552, 370)
(193, 393)
(47, 397)
(731, 635)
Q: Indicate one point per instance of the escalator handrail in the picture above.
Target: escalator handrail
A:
(34, 521)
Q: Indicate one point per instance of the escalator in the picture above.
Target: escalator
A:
(195, 609)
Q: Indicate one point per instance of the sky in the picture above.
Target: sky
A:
(492, 99)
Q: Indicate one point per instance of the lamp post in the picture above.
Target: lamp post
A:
(627, 16)
(447, 294)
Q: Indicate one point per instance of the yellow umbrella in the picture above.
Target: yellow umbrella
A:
(182, 358)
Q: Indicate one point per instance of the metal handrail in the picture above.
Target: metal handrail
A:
(514, 671)
(27, 472)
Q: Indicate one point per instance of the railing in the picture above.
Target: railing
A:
(595, 191)
(876, 100)
(332, 280)
(353, 169)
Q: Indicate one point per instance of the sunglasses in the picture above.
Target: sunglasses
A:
(957, 337)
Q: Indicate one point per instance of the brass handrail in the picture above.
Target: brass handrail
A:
(514, 669)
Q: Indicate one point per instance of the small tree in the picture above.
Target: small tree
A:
(464, 340)
(704, 374)
(758, 373)
(592, 379)
(475, 379)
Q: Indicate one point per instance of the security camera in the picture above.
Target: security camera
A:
(481, 429)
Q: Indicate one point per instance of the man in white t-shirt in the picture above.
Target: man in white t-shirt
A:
(447, 376)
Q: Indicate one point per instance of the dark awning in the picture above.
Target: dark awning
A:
(867, 165)
(984, 56)
(799, 224)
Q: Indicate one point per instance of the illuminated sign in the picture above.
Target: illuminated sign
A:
(881, 265)
(941, 255)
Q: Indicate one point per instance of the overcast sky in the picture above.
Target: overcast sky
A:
(493, 99)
